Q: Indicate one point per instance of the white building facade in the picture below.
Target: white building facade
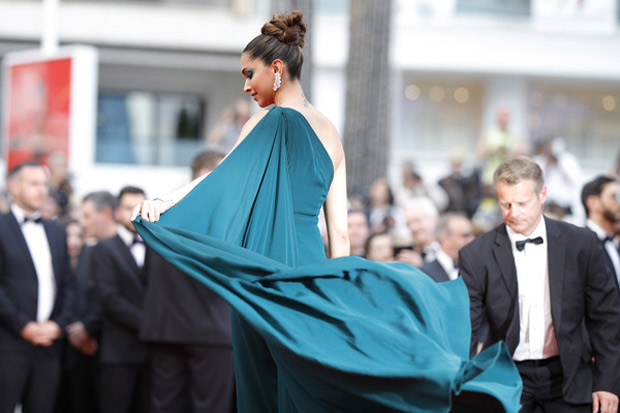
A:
(168, 68)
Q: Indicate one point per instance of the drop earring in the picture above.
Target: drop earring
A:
(277, 82)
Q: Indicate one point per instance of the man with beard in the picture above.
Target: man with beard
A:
(601, 200)
(36, 295)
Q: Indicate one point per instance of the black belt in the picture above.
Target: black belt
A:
(538, 362)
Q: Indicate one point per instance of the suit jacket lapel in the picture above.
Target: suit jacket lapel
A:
(18, 236)
(129, 258)
(146, 266)
(502, 251)
(556, 251)
(55, 251)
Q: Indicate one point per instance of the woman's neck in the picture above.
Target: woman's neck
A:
(291, 95)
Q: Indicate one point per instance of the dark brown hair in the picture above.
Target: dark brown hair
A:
(282, 38)
(594, 188)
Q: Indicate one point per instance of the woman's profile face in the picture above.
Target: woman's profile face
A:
(259, 79)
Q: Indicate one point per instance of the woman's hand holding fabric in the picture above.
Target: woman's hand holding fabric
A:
(150, 210)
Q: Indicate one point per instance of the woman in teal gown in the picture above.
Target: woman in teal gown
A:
(312, 334)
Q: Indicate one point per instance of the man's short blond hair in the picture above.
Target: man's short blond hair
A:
(517, 169)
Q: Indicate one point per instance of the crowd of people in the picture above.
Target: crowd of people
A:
(100, 322)
(116, 326)
(122, 337)
(409, 214)
(92, 319)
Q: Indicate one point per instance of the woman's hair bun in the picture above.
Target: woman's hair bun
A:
(287, 28)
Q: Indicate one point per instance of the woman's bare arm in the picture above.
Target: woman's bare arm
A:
(335, 209)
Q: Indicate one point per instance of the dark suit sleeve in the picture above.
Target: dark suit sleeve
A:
(114, 305)
(66, 291)
(603, 321)
(92, 314)
(476, 289)
(10, 315)
(90, 310)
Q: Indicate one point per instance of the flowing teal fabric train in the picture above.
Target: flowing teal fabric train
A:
(346, 334)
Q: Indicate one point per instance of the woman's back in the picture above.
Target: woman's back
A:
(311, 171)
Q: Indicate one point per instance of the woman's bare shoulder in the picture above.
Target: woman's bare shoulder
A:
(329, 136)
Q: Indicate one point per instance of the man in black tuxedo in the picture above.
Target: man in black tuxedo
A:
(188, 327)
(120, 282)
(36, 296)
(546, 292)
(601, 200)
(453, 231)
(81, 382)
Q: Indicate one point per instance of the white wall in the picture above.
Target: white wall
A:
(175, 47)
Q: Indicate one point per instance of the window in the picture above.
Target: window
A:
(505, 7)
(587, 118)
(440, 115)
(217, 3)
(146, 128)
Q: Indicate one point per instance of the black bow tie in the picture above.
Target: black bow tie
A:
(521, 244)
(137, 240)
(607, 239)
(36, 220)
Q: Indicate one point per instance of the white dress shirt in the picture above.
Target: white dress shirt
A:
(430, 251)
(611, 246)
(39, 248)
(447, 264)
(138, 249)
(537, 336)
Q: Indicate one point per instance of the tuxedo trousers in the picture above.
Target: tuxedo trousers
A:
(31, 379)
(124, 388)
(196, 378)
(542, 388)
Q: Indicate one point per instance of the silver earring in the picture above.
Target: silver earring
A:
(277, 82)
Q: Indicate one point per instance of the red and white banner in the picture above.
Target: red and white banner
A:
(49, 106)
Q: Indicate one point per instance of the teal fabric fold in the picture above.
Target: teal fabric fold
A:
(346, 334)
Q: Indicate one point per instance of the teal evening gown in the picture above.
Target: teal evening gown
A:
(312, 334)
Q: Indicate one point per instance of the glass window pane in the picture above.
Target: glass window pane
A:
(114, 135)
(147, 128)
(216, 3)
(587, 119)
(506, 7)
(440, 115)
(141, 107)
(179, 123)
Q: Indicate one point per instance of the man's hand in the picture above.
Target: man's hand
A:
(410, 257)
(80, 339)
(30, 332)
(90, 347)
(77, 334)
(41, 333)
(604, 402)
